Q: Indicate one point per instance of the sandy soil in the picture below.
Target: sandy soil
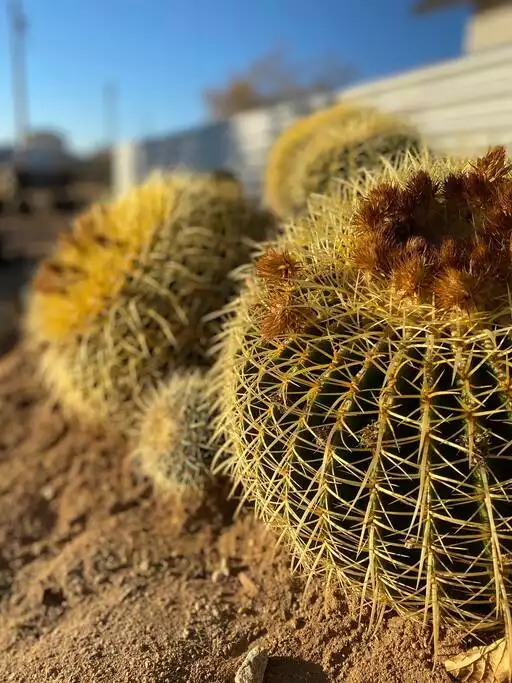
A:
(103, 582)
(100, 581)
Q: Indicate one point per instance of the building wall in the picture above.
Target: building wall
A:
(461, 106)
(489, 28)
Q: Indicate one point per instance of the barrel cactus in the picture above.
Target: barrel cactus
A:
(335, 143)
(283, 154)
(174, 445)
(342, 152)
(126, 294)
(365, 384)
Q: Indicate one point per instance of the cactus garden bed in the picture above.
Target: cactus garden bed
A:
(201, 387)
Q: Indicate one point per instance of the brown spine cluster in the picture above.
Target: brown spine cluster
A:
(53, 276)
(446, 240)
(277, 266)
(283, 314)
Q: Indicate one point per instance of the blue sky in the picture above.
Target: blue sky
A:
(163, 53)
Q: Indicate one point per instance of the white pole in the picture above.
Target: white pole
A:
(18, 25)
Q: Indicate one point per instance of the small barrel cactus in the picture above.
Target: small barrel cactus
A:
(174, 446)
(335, 143)
(342, 152)
(365, 384)
(283, 155)
(126, 295)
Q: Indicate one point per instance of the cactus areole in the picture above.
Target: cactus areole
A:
(366, 379)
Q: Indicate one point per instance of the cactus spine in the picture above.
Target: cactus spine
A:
(124, 298)
(364, 380)
(174, 441)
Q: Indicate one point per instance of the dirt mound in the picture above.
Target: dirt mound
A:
(100, 582)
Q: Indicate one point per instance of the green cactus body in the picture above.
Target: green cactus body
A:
(364, 380)
(125, 298)
(174, 440)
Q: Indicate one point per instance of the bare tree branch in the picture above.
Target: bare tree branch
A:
(271, 79)
(427, 6)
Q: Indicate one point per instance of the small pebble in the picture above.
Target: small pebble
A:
(47, 492)
(248, 584)
(221, 573)
(144, 566)
(253, 667)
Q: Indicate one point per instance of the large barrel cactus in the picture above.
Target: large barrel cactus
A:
(125, 296)
(365, 383)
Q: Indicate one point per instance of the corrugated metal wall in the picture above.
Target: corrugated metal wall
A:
(461, 106)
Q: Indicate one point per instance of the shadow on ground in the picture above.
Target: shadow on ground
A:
(285, 669)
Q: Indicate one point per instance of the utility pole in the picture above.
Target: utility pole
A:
(18, 26)
(110, 114)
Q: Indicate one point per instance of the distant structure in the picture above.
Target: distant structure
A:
(110, 114)
(490, 24)
(5, 153)
(18, 27)
(45, 139)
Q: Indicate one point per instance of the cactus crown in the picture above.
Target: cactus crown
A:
(90, 264)
(449, 240)
(437, 233)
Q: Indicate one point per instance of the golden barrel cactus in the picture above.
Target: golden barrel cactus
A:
(365, 388)
(174, 446)
(283, 154)
(336, 143)
(125, 296)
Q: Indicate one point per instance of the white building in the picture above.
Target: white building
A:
(461, 106)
